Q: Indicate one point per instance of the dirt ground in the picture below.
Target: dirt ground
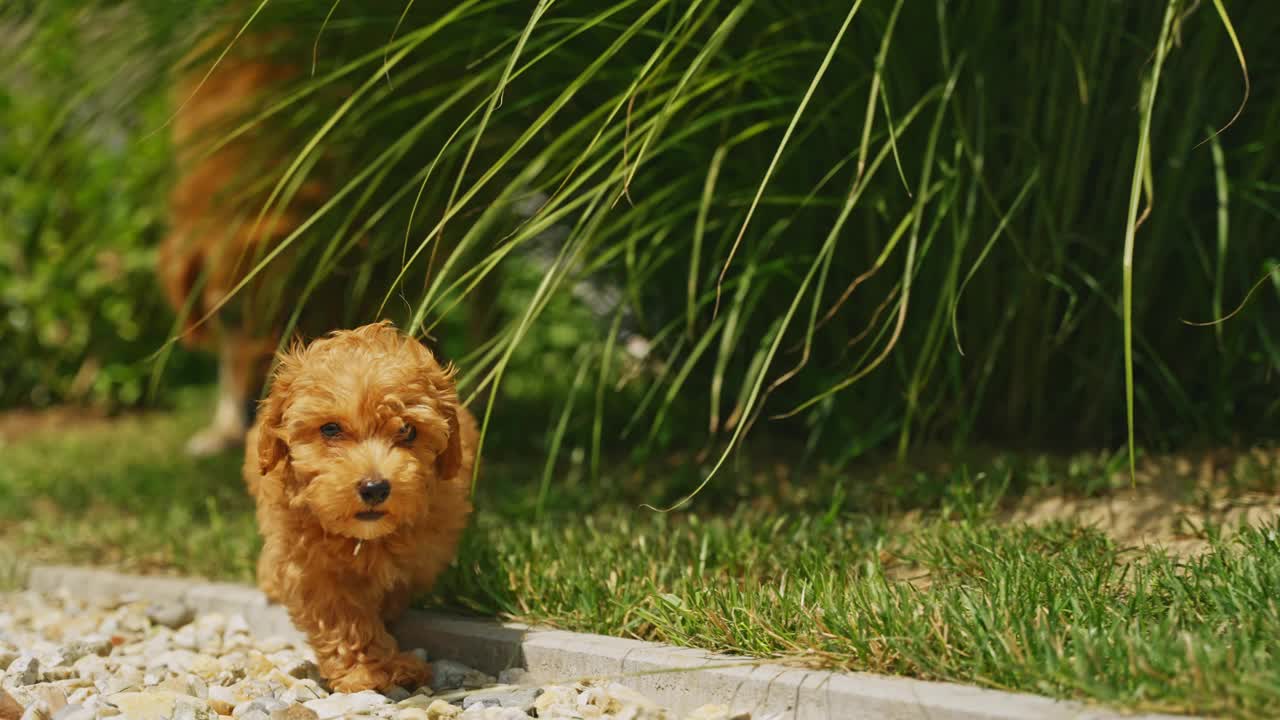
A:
(16, 425)
(1177, 499)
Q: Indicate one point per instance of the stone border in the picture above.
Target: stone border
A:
(661, 672)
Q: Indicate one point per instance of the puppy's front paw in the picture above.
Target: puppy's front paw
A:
(361, 677)
(403, 669)
(409, 671)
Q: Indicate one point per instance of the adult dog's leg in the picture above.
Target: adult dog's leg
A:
(242, 364)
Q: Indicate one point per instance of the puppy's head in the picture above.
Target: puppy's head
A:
(359, 429)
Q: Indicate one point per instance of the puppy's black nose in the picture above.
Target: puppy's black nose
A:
(374, 491)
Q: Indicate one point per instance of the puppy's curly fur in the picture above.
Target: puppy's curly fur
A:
(345, 413)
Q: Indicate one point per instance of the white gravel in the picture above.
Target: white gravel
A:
(63, 659)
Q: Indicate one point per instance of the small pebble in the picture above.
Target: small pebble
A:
(480, 700)
(185, 638)
(303, 691)
(52, 697)
(341, 704)
(169, 614)
(10, 709)
(125, 678)
(553, 696)
(265, 705)
(69, 653)
(236, 624)
(37, 711)
(450, 675)
(515, 676)
(441, 709)
(416, 701)
(301, 669)
(92, 668)
(159, 705)
(522, 699)
(623, 695)
(493, 713)
(25, 670)
(274, 644)
(74, 712)
(223, 699)
(192, 712)
(295, 712)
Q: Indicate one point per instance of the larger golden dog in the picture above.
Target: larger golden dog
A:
(360, 463)
(215, 236)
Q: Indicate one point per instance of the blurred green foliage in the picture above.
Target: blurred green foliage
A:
(81, 189)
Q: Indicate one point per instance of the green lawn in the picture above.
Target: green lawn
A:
(762, 563)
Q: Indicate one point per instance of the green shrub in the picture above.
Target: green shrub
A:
(81, 190)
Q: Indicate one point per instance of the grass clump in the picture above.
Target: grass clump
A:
(1058, 610)
(123, 493)
(802, 567)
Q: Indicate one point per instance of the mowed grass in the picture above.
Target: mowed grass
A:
(123, 493)
(762, 564)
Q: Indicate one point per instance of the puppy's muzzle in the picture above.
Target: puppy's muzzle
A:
(374, 491)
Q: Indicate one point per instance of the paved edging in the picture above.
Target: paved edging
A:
(551, 655)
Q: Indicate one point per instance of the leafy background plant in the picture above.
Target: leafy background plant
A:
(81, 193)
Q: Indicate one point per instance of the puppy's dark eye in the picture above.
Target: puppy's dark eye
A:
(408, 433)
(331, 430)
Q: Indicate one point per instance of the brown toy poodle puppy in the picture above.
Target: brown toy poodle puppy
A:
(360, 463)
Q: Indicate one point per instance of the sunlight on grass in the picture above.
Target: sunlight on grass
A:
(127, 495)
(1056, 610)
(830, 572)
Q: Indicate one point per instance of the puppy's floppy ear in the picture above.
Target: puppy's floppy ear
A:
(440, 379)
(271, 445)
(449, 462)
